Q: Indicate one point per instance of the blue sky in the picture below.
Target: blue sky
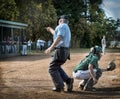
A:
(112, 8)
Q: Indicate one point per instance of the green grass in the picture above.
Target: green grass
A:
(86, 50)
(113, 50)
(79, 50)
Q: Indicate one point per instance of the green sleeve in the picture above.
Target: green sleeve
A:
(94, 62)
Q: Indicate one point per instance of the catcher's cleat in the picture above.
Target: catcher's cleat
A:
(89, 89)
(82, 84)
(81, 87)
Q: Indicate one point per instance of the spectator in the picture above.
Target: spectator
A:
(29, 45)
(24, 47)
(103, 43)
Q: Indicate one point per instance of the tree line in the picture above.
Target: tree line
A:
(87, 20)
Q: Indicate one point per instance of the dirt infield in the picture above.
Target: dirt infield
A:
(27, 77)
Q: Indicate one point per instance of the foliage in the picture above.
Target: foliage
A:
(38, 16)
(8, 10)
(84, 16)
(86, 19)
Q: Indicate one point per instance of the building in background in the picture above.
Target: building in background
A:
(11, 34)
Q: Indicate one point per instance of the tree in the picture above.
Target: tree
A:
(38, 15)
(8, 10)
(86, 19)
(83, 14)
(111, 27)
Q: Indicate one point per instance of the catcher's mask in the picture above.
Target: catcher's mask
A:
(96, 50)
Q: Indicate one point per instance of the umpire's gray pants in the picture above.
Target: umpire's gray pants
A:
(58, 75)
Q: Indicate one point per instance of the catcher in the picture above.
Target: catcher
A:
(88, 70)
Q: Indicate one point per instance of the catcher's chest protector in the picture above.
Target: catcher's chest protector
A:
(83, 65)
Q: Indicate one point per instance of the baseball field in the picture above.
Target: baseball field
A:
(27, 77)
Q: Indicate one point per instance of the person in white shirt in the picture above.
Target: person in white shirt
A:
(24, 47)
(29, 45)
(103, 43)
(38, 44)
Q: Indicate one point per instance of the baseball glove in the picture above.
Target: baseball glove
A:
(111, 66)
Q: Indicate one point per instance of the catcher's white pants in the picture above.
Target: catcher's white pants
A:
(83, 74)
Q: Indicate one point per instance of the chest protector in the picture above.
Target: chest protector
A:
(83, 65)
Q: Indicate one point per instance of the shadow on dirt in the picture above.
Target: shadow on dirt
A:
(109, 89)
(1, 80)
(100, 93)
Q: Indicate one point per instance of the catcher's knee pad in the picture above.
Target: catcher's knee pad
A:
(89, 85)
(98, 74)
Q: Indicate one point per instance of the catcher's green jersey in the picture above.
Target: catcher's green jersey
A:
(90, 59)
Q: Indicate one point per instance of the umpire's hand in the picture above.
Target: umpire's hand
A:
(47, 51)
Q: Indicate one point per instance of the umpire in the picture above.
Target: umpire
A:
(60, 45)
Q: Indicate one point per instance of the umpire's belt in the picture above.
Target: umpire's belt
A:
(61, 48)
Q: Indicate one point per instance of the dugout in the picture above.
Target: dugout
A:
(11, 34)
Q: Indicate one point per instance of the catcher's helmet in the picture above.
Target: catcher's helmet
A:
(96, 50)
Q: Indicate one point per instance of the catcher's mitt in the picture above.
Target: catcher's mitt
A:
(111, 66)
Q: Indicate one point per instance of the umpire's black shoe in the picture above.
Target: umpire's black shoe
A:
(70, 85)
(57, 89)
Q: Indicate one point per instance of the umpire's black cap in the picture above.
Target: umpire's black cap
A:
(63, 17)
